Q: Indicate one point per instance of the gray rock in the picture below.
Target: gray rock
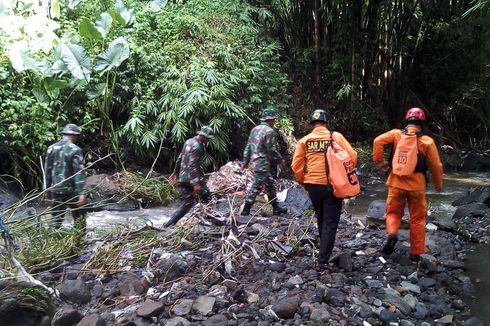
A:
(374, 284)
(92, 320)
(130, 284)
(277, 267)
(74, 291)
(297, 201)
(177, 321)
(476, 196)
(150, 308)
(377, 302)
(405, 322)
(182, 307)
(420, 311)
(216, 320)
(426, 282)
(319, 313)
(470, 210)
(398, 302)
(458, 304)
(411, 300)
(204, 305)
(411, 287)
(387, 316)
(344, 261)
(296, 280)
(170, 269)
(66, 317)
(473, 321)
(286, 308)
(335, 297)
(377, 209)
(445, 223)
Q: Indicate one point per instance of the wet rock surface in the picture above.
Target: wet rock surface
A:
(263, 273)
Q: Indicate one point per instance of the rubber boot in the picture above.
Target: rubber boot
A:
(246, 209)
(179, 214)
(390, 244)
(278, 210)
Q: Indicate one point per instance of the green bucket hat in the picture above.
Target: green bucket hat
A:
(207, 132)
(268, 114)
(71, 129)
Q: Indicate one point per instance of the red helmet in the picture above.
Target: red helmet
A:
(415, 113)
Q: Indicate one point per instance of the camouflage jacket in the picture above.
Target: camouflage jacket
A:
(261, 149)
(187, 167)
(64, 168)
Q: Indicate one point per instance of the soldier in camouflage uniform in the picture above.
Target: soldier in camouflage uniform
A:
(188, 173)
(262, 152)
(65, 177)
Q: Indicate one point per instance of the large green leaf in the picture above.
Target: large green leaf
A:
(76, 60)
(157, 5)
(104, 24)
(126, 14)
(113, 56)
(88, 30)
(55, 10)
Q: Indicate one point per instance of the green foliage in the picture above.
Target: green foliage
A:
(202, 64)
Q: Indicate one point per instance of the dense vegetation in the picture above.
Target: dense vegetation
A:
(142, 76)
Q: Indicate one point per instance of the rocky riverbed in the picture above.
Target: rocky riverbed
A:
(215, 268)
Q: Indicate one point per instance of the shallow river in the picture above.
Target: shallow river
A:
(455, 186)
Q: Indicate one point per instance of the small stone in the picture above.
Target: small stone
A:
(130, 284)
(177, 321)
(344, 261)
(377, 302)
(473, 321)
(204, 305)
(295, 280)
(182, 307)
(458, 304)
(319, 314)
(405, 322)
(411, 287)
(92, 320)
(387, 316)
(286, 308)
(374, 284)
(66, 317)
(252, 297)
(413, 276)
(230, 284)
(448, 319)
(75, 291)
(150, 308)
(411, 300)
(216, 320)
(420, 311)
(426, 282)
(277, 267)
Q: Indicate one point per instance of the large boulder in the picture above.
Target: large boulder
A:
(297, 201)
(376, 214)
(105, 193)
(23, 304)
(471, 210)
(476, 196)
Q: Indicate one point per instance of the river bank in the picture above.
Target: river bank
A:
(213, 270)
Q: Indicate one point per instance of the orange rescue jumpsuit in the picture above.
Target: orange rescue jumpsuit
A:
(409, 188)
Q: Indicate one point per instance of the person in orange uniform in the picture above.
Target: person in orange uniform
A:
(309, 169)
(410, 188)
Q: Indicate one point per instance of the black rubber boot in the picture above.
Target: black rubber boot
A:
(278, 210)
(246, 209)
(390, 244)
(179, 214)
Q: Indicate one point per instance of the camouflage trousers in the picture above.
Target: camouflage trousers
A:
(261, 179)
(60, 205)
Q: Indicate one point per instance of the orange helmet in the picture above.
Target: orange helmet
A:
(415, 114)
